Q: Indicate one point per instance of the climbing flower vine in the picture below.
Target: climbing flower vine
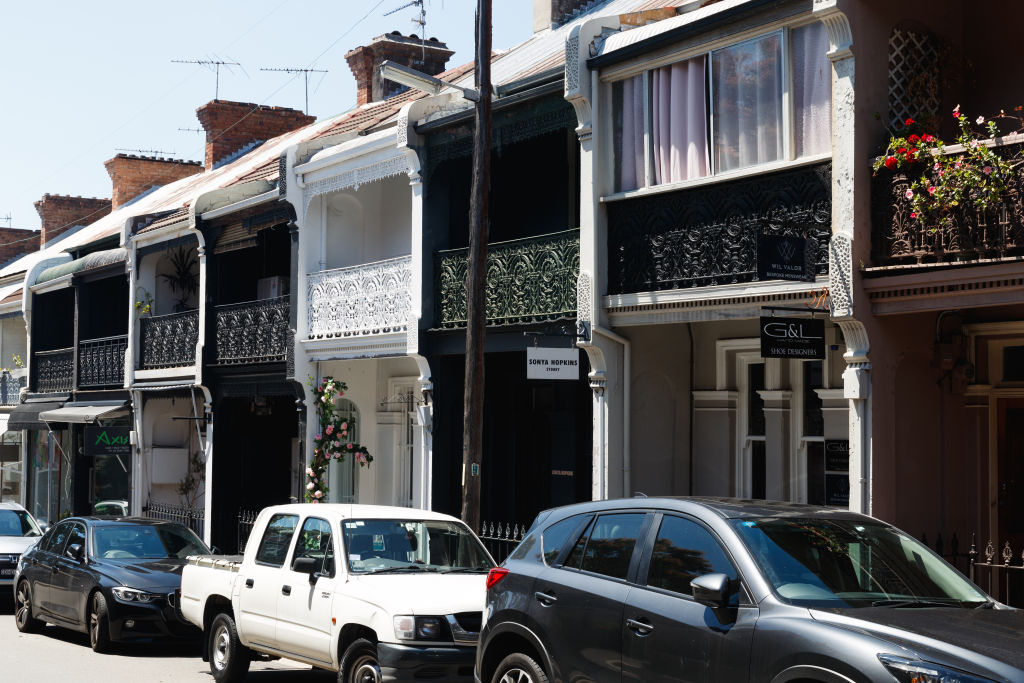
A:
(332, 440)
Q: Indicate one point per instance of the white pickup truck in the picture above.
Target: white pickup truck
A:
(374, 593)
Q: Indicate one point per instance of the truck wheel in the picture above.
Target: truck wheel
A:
(359, 663)
(519, 668)
(23, 618)
(229, 659)
(99, 624)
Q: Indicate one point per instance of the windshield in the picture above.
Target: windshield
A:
(18, 523)
(395, 545)
(126, 542)
(852, 563)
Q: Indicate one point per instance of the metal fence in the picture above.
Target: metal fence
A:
(501, 538)
(1002, 580)
(193, 518)
(246, 518)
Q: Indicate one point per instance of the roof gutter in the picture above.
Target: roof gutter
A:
(256, 200)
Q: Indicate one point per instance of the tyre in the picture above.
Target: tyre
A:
(519, 668)
(23, 616)
(99, 623)
(359, 664)
(229, 659)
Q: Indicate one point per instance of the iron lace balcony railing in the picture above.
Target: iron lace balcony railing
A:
(169, 341)
(528, 280)
(252, 332)
(373, 298)
(101, 361)
(11, 384)
(54, 370)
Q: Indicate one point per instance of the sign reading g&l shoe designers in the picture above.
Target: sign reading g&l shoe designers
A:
(802, 338)
(100, 441)
(548, 363)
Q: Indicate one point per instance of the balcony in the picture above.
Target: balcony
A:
(252, 332)
(54, 370)
(11, 383)
(101, 362)
(707, 235)
(971, 236)
(373, 298)
(169, 341)
(528, 280)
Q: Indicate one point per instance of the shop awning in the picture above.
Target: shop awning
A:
(26, 415)
(81, 413)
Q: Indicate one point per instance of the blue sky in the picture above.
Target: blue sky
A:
(80, 80)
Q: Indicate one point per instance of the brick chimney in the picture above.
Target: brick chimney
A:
(551, 13)
(233, 127)
(15, 242)
(133, 175)
(429, 57)
(59, 212)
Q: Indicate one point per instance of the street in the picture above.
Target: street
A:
(55, 654)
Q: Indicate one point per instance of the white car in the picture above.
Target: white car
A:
(375, 593)
(18, 532)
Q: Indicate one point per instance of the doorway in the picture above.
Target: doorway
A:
(1010, 472)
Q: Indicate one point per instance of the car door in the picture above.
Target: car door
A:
(70, 578)
(304, 606)
(42, 569)
(667, 635)
(261, 582)
(578, 606)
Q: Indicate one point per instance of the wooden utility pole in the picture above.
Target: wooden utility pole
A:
(476, 315)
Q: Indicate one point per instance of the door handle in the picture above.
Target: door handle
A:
(286, 590)
(545, 599)
(248, 583)
(639, 627)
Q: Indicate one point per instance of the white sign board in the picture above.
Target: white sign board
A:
(546, 363)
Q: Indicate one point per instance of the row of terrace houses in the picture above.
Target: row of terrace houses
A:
(640, 149)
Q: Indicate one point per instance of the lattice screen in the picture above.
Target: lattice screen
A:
(914, 64)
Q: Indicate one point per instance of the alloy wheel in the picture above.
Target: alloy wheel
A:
(23, 606)
(516, 676)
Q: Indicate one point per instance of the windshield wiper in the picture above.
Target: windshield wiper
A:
(988, 604)
(466, 570)
(912, 603)
(407, 568)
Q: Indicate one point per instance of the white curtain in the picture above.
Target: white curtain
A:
(627, 100)
(812, 89)
(747, 84)
(679, 121)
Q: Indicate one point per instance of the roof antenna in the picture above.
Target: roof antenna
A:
(146, 152)
(215, 63)
(296, 70)
(420, 21)
(8, 219)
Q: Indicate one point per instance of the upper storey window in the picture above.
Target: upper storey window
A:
(761, 101)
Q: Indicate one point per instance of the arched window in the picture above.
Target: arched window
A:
(344, 474)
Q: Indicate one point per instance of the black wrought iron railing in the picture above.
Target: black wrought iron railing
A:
(252, 332)
(54, 370)
(193, 518)
(168, 341)
(246, 520)
(101, 361)
(10, 388)
(528, 280)
(501, 538)
(1000, 573)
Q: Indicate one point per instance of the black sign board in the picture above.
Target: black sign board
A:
(784, 257)
(837, 455)
(802, 338)
(837, 490)
(100, 441)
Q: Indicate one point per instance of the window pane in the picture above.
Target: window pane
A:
(683, 551)
(747, 86)
(816, 472)
(814, 418)
(679, 124)
(611, 544)
(77, 536)
(276, 539)
(556, 536)
(576, 556)
(755, 404)
(628, 127)
(812, 89)
(758, 471)
(55, 543)
(315, 541)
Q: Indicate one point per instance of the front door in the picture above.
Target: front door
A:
(304, 625)
(1010, 482)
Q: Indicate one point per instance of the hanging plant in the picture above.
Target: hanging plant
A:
(332, 441)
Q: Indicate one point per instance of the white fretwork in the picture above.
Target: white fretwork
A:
(372, 298)
(393, 166)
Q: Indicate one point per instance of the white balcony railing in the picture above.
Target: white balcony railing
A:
(373, 298)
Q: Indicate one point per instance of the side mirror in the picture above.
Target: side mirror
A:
(307, 565)
(711, 590)
(75, 551)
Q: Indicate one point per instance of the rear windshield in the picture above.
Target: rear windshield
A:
(374, 546)
(18, 523)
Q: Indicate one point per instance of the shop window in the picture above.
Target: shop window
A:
(814, 418)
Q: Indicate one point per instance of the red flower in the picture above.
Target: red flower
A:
(910, 122)
(901, 150)
(927, 137)
(914, 139)
(890, 162)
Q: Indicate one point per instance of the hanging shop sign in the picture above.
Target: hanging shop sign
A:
(548, 363)
(801, 338)
(103, 441)
(784, 257)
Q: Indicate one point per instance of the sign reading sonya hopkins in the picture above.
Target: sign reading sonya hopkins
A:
(784, 257)
(802, 338)
(101, 441)
(548, 363)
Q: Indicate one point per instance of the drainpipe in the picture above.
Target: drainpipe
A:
(626, 382)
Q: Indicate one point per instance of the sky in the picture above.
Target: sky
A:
(81, 82)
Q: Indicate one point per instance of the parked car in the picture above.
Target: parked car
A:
(115, 579)
(113, 508)
(375, 593)
(725, 590)
(18, 532)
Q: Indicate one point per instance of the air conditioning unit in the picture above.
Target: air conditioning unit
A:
(271, 287)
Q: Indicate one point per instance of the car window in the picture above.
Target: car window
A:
(684, 550)
(276, 539)
(556, 536)
(610, 546)
(77, 535)
(315, 541)
(576, 556)
(17, 523)
(55, 542)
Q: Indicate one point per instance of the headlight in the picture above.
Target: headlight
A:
(419, 628)
(916, 671)
(133, 595)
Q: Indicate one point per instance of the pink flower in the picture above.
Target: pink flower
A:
(987, 170)
(323, 399)
(909, 194)
(318, 495)
(318, 437)
(931, 189)
(314, 501)
(956, 165)
(309, 471)
(956, 112)
(344, 425)
(329, 430)
(310, 486)
(350, 446)
(936, 167)
(913, 215)
(980, 120)
(344, 434)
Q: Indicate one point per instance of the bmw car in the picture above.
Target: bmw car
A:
(18, 532)
(115, 579)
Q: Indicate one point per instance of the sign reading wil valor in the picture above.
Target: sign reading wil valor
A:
(784, 257)
(802, 338)
(546, 363)
(100, 441)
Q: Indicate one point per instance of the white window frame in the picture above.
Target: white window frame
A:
(405, 444)
(743, 483)
(338, 469)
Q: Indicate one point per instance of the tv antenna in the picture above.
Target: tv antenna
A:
(215, 63)
(420, 21)
(192, 130)
(145, 152)
(305, 76)
(8, 219)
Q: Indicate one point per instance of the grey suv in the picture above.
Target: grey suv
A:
(732, 591)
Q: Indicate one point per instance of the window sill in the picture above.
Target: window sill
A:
(747, 172)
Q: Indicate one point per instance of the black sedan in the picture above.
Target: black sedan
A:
(115, 579)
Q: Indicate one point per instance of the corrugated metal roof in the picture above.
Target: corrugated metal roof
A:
(97, 259)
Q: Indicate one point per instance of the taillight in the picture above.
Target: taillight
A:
(495, 576)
